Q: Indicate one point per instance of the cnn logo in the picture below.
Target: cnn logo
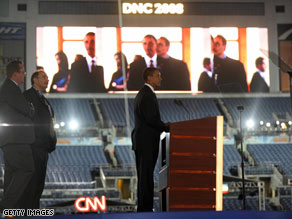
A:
(85, 204)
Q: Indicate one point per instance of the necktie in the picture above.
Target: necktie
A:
(93, 66)
(151, 64)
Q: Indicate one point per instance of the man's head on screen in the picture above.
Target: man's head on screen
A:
(149, 45)
(89, 42)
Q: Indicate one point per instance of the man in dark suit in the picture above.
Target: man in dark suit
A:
(258, 83)
(16, 136)
(86, 75)
(45, 138)
(176, 74)
(230, 75)
(135, 81)
(146, 135)
(206, 81)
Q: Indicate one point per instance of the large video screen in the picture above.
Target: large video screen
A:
(77, 62)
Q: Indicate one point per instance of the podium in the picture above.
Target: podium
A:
(191, 165)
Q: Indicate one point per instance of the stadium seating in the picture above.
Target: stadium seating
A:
(258, 108)
(70, 166)
(67, 110)
(277, 154)
(231, 157)
(286, 202)
(114, 110)
(125, 155)
(252, 203)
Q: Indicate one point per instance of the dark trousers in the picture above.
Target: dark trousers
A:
(146, 158)
(33, 192)
(19, 168)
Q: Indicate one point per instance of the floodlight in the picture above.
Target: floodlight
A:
(73, 125)
(249, 123)
(283, 125)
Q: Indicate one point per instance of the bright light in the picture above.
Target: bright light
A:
(290, 122)
(261, 122)
(56, 126)
(283, 125)
(62, 124)
(73, 125)
(268, 124)
(225, 188)
(278, 122)
(249, 123)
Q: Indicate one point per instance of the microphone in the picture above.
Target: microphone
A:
(180, 104)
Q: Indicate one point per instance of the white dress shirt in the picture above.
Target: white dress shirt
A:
(154, 59)
(89, 61)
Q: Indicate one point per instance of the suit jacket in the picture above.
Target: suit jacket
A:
(16, 112)
(175, 75)
(231, 76)
(148, 124)
(83, 81)
(136, 81)
(258, 84)
(206, 84)
(42, 120)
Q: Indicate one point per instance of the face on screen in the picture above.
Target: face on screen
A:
(162, 49)
(218, 47)
(262, 66)
(89, 42)
(149, 46)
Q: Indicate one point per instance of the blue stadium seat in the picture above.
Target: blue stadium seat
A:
(125, 155)
(78, 109)
(231, 157)
(277, 154)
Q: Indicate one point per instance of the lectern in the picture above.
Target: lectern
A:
(191, 165)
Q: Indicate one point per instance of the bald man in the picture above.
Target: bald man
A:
(45, 138)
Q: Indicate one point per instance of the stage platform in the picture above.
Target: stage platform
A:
(184, 215)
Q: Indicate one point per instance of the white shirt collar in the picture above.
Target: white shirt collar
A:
(150, 87)
(209, 73)
(89, 61)
(14, 82)
(154, 59)
(262, 74)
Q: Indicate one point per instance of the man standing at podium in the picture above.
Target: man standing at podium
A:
(146, 136)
